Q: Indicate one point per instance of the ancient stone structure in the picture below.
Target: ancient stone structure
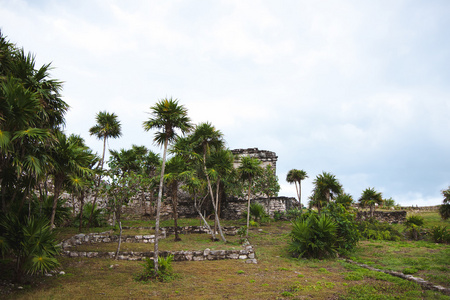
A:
(391, 217)
(235, 207)
(247, 253)
(266, 157)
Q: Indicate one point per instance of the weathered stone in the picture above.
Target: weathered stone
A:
(243, 257)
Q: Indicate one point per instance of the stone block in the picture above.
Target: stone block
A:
(251, 261)
(243, 257)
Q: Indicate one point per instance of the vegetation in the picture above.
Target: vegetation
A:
(444, 209)
(370, 198)
(296, 176)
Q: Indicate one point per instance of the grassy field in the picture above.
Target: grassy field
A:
(276, 276)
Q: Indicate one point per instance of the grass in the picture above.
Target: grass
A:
(276, 276)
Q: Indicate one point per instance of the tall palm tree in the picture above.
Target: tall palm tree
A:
(176, 169)
(249, 169)
(296, 176)
(220, 165)
(326, 188)
(67, 157)
(370, 197)
(107, 126)
(205, 138)
(167, 116)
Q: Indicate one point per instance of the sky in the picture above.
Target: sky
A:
(359, 89)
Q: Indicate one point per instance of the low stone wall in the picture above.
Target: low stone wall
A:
(235, 207)
(391, 217)
(109, 237)
(247, 254)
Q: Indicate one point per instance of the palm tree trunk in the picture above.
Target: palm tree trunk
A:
(56, 192)
(248, 207)
(158, 208)
(175, 213)
(300, 194)
(81, 210)
(98, 184)
(204, 220)
(212, 198)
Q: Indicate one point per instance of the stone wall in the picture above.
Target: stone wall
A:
(266, 157)
(391, 217)
(235, 207)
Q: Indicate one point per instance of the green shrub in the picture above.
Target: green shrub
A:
(98, 219)
(257, 214)
(374, 230)
(444, 211)
(31, 242)
(42, 208)
(440, 234)
(279, 215)
(414, 223)
(293, 214)
(314, 236)
(347, 228)
(165, 272)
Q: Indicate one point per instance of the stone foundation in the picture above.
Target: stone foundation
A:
(391, 217)
(235, 207)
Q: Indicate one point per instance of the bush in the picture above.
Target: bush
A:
(165, 272)
(314, 236)
(31, 242)
(257, 214)
(440, 234)
(375, 230)
(347, 229)
(98, 219)
(414, 223)
(42, 208)
(293, 214)
(444, 211)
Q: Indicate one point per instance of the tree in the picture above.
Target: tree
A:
(167, 116)
(345, 199)
(326, 188)
(68, 157)
(369, 198)
(206, 137)
(174, 174)
(444, 208)
(267, 184)
(296, 176)
(249, 169)
(107, 126)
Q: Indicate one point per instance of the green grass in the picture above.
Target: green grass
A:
(276, 276)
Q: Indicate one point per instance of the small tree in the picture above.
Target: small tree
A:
(326, 189)
(267, 184)
(296, 176)
(444, 209)
(369, 198)
(249, 169)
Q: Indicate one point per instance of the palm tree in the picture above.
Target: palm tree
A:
(175, 172)
(326, 188)
(345, 199)
(296, 176)
(107, 126)
(370, 197)
(167, 116)
(249, 169)
(205, 138)
(220, 165)
(67, 157)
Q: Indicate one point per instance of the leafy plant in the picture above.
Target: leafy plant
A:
(314, 236)
(374, 230)
(293, 214)
(444, 209)
(31, 241)
(347, 229)
(98, 219)
(42, 208)
(164, 273)
(414, 223)
(440, 234)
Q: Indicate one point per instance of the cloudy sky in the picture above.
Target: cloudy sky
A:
(356, 88)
